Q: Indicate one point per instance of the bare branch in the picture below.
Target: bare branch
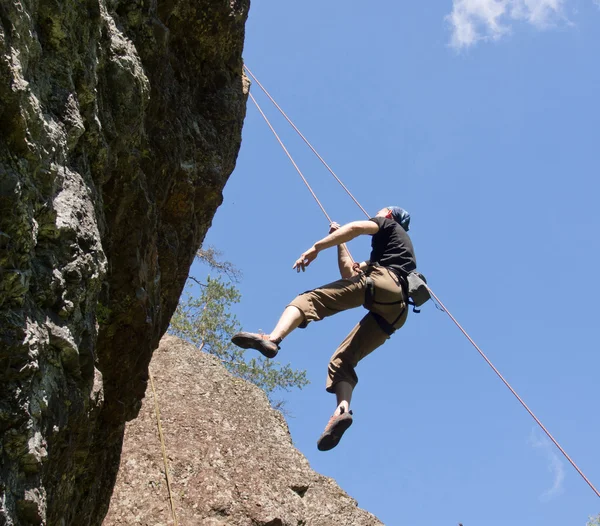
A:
(195, 280)
(212, 257)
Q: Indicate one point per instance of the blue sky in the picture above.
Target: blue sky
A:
(481, 118)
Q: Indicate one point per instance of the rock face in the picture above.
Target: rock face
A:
(231, 458)
(120, 122)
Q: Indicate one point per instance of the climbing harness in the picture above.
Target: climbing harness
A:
(370, 301)
(419, 292)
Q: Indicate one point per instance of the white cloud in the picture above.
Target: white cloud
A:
(474, 20)
(555, 466)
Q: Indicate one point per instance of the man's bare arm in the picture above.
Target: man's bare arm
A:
(346, 264)
(342, 235)
(347, 233)
(345, 260)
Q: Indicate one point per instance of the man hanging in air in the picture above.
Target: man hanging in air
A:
(379, 284)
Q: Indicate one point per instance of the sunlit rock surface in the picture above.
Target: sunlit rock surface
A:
(231, 458)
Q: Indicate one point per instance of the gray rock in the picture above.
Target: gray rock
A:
(120, 122)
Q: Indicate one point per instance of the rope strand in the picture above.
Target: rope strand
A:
(513, 391)
(306, 141)
(298, 170)
(291, 159)
(164, 449)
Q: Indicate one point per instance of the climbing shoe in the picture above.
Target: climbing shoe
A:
(260, 342)
(334, 430)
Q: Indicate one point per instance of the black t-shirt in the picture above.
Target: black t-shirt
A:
(392, 248)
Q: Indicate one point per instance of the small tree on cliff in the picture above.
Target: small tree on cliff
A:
(206, 321)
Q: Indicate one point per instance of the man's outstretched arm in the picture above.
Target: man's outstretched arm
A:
(342, 235)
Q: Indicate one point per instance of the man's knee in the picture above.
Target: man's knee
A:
(305, 307)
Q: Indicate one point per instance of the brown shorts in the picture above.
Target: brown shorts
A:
(388, 310)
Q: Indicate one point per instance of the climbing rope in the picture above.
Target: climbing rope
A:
(537, 420)
(513, 391)
(306, 141)
(291, 159)
(298, 170)
(164, 449)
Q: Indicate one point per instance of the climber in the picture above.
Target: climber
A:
(378, 284)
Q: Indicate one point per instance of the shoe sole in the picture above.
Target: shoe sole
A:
(249, 342)
(330, 440)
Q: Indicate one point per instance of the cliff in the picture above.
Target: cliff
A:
(120, 122)
(231, 458)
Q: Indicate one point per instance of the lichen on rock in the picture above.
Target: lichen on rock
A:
(120, 122)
